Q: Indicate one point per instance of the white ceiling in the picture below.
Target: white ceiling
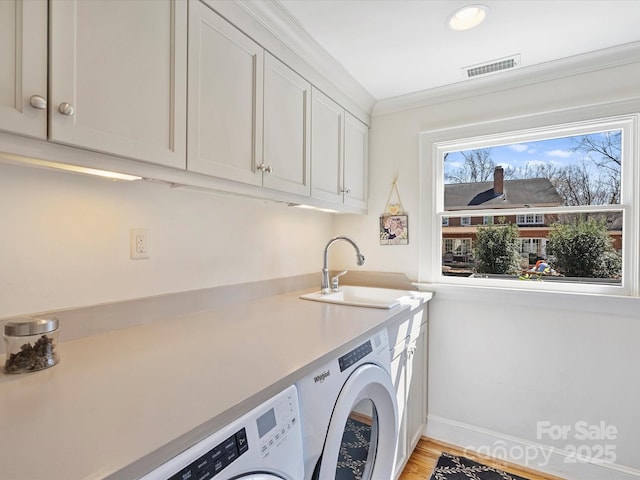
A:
(397, 47)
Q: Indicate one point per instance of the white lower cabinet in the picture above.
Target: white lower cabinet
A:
(416, 410)
(409, 374)
(399, 376)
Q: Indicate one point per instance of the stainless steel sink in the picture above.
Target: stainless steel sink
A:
(371, 297)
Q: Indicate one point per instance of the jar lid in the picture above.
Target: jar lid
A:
(31, 326)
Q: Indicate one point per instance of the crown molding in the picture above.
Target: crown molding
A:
(567, 67)
(277, 20)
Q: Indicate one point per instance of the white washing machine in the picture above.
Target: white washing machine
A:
(350, 416)
(264, 444)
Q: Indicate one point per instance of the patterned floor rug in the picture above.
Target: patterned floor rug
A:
(451, 467)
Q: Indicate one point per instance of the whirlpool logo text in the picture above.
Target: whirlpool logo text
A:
(320, 378)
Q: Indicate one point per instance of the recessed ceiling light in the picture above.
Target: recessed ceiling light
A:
(467, 17)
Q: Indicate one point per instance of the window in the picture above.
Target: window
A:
(532, 196)
(530, 218)
(445, 221)
(459, 246)
(535, 246)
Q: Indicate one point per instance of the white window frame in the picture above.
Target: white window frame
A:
(465, 244)
(465, 221)
(541, 245)
(434, 144)
(538, 218)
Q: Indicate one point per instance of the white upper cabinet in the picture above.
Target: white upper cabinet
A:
(118, 77)
(327, 148)
(356, 155)
(112, 77)
(225, 99)
(339, 154)
(23, 67)
(287, 122)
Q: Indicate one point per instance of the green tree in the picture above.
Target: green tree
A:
(583, 248)
(497, 249)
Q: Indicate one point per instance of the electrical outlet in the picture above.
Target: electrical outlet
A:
(139, 243)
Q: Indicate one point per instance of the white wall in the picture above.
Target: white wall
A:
(64, 240)
(502, 361)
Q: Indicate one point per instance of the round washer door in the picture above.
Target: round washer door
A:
(368, 382)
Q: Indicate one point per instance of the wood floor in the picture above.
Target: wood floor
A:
(425, 456)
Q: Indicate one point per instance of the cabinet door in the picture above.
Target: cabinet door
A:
(23, 66)
(417, 388)
(327, 148)
(119, 68)
(225, 99)
(399, 378)
(356, 161)
(287, 119)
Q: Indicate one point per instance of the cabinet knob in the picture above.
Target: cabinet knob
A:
(38, 101)
(345, 190)
(265, 168)
(66, 109)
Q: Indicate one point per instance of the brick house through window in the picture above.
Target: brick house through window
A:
(501, 193)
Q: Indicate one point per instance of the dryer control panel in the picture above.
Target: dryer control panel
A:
(355, 355)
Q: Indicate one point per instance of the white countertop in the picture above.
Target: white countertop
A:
(122, 402)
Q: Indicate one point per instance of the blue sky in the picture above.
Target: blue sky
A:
(555, 151)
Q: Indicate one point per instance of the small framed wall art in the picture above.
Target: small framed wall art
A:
(394, 229)
(394, 222)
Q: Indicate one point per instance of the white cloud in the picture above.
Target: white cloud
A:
(559, 153)
(519, 147)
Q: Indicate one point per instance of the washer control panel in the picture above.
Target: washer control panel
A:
(216, 459)
(268, 438)
(275, 424)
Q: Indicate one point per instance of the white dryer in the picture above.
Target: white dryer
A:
(264, 444)
(350, 415)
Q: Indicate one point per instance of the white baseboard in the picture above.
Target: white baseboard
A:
(537, 456)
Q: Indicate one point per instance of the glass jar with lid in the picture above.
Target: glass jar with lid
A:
(31, 344)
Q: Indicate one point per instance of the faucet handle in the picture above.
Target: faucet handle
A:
(335, 284)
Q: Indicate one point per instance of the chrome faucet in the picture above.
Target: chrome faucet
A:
(325, 288)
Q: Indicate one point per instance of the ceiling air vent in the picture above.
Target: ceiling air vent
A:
(492, 67)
